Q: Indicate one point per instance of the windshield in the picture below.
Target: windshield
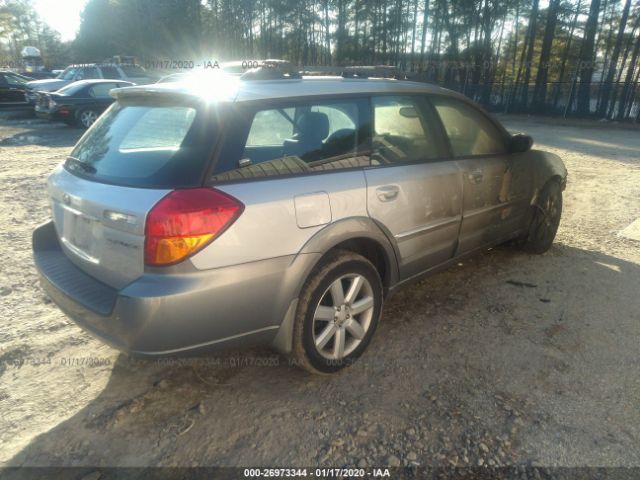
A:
(67, 73)
(160, 145)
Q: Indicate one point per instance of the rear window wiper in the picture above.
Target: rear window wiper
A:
(85, 167)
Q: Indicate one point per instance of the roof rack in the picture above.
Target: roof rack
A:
(357, 71)
(283, 70)
(272, 70)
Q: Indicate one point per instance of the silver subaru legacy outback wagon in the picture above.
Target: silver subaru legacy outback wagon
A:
(200, 215)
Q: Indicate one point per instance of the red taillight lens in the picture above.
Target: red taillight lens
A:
(185, 221)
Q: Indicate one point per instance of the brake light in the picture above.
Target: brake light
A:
(185, 221)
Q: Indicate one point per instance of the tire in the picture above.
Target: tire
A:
(86, 117)
(320, 328)
(545, 219)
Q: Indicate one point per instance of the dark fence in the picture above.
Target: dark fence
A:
(614, 101)
(556, 98)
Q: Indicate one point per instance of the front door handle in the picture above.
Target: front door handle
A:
(387, 193)
(476, 176)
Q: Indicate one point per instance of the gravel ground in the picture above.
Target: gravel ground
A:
(506, 359)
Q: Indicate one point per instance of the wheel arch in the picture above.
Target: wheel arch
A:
(359, 235)
(548, 166)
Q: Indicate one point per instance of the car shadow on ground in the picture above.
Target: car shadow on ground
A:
(254, 408)
(46, 135)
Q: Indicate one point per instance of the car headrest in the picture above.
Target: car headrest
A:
(313, 125)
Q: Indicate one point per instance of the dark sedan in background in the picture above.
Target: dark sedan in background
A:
(13, 88)
(79, 103)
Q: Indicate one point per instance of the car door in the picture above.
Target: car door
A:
(495, 189)
(414, 191)
(12, 89)
(4, 89)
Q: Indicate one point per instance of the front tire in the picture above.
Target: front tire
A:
(545, 219)
(338, 312)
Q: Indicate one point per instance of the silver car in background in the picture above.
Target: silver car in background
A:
(197, 216)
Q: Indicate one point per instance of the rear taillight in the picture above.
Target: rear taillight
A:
(185, 221)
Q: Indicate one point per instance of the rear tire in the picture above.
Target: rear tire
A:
(86, 117)
(545, 219)
(338, 312)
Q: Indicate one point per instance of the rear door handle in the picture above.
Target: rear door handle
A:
(476, 176)
(387, 193)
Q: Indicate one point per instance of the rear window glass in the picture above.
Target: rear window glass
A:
(101, 90)
(161, 146)
(72, 88)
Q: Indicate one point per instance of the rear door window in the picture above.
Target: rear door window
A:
(145, 144)
(300, 138)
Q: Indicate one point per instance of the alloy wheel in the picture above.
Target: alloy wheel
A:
(343, 316)
(87, 118)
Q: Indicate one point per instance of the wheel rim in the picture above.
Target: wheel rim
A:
(343, 316)
(547, 218)
(87, 118)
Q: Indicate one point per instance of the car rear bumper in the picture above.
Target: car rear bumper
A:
(44, 114)
(174, 313)
(52, 115)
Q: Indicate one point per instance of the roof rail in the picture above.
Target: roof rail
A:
(272, 70)
(283, 70)
(357, 71)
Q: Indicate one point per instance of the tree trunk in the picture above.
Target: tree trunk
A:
(540, 92)
(586, 59)
(608, 83)
(531, 47)
(626, 96)
(413, 35)
(565, 56)
(425, 18)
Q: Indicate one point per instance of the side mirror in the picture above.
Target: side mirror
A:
(520, 143)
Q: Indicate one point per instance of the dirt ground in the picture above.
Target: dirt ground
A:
(506, 359)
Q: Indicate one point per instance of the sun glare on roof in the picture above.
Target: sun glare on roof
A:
(211, 84)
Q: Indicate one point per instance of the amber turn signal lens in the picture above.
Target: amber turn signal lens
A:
(185, 221)
(174, 249)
